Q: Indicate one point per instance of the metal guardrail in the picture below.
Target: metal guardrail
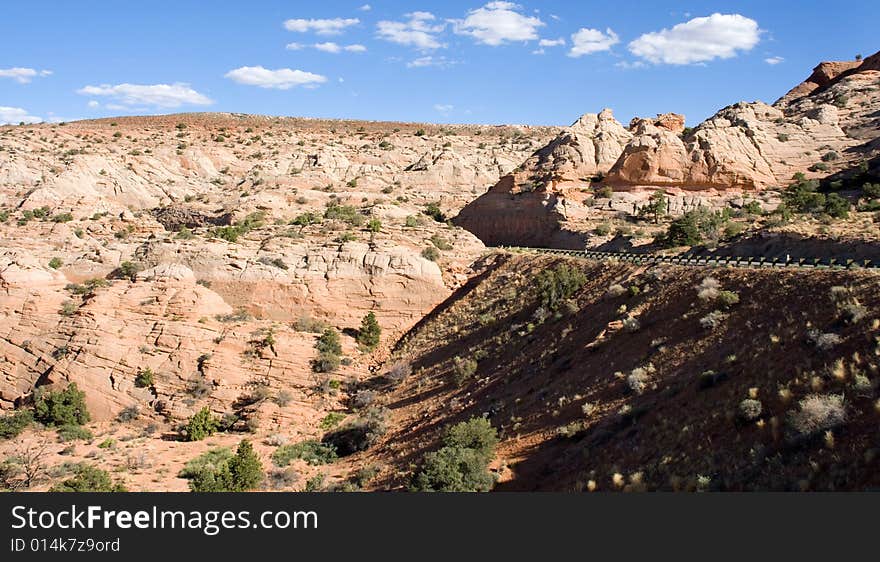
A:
(706, 261)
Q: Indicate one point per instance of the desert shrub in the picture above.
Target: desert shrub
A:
(201, 425)
(695, 227)
(817, 413)
(314, 453)
(370, 332)
(62, 217)
(374, 225)
(329, 352)
(281, 478)
(331, 420)
(399, 372)
(127, 270)
(824, 341)
(61, 407)
(234, 473)
(55, 263)
(614, 291)
(461, 465)
(836, 206)
(853, 312)
(431, 253)
(309, 324)
(306, 219)
(440, 243)
(145, 378)
(88, 478)
(871, 190)
(72, 432)
(463, 369)
(728, 298)
(283, 398)
(558, 284)
(359, 434)
(344, 213)
(363, 399)
(753, 208)
(129, 413)
(708, 289)
(637, 381)
(68, 308)
(713, 320)
(329, 342)
(433, 211)
(411, 221)
(11, 425)
(749, 410)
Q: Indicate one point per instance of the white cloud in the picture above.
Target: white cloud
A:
(419, 31)
(539, 52)
(423, 62)
(443, 107)
(588, 41)
(294, 46)
(94, 103)
(16, 115)
(365, 8)
(281, 79)
(774, 60)
(154, 95)
(333, 26)
(331, 47)
(22, 75)
(551, 42)
(497, 23)
(699, 40)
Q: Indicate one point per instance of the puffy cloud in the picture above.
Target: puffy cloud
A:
(588, 41)
(443, 107)
(16, 115)
(497, 23)
(153, 95)
(365, 8)
(93, 104)
(419, 30)
(774, 60)
(281, 79)
(333, 26)
(719, 36)
(22, 75)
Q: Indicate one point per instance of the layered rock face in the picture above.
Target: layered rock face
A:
(122, 247)
(829, 123)
(526, 206)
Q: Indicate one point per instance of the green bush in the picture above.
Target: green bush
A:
(62, 217)
(88, 478)
(220, 471)
(11, 425)
(370, 332)
(306, 219)
(431, 253)
(558, 284)
(461, 465)
(73, 432)
(345, 213)
(201, 425)
(145, 378)
(440, 243)
(463, 369)
(61, 407)
(837, 206)
(55, 263)
(374, 225)
(433, 211)
(313, 452)
(329, 352)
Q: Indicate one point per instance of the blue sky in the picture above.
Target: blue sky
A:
(535, 62)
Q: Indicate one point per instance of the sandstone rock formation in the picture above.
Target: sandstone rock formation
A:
(829, 123)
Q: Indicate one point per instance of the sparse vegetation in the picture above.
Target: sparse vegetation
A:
(201, 425)
(314, 453)
(61, 407)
